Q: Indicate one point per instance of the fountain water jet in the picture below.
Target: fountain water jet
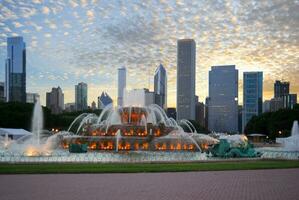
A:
(291, 143)
(37, 123)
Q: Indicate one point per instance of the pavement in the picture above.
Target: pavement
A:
(218, 185)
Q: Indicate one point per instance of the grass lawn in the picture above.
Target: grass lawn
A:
(144, 167)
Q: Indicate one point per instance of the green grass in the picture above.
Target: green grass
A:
(144, 167)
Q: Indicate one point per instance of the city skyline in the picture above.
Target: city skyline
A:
(80, 42)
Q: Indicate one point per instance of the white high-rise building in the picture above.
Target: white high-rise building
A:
(222, 102)
(122, 80)
(15, 70)
(160, 87)
(186, 59)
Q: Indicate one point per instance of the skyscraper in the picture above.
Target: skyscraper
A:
(223, 99)
(281, 88)
(282, 97)
(186, 55)
(252, 96)
(104, 100)
(122, 73)
(15, 70)
(2, 92)
(160, 87)
(55, 100)
(81, 96)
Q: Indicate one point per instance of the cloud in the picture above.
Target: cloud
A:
(17, 24)
(46, 10)
(90, 14)
(90, 39)
(48, 35)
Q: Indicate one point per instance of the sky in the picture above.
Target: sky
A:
(68, 42)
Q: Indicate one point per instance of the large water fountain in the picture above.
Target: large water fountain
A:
(291, 143)
(134, 128)
(290, 146)
(120, 134)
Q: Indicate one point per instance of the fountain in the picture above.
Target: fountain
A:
(117, 138)
(144, 133)
(289, 149)
(37, 123)
(291, 143)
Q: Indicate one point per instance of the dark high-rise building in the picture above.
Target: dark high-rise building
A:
(160, 87)
(252, 95)
(104, 100)
(55, 100)
(282, 97)
(200, 113)
(281, 88)
(2, 92)
(186, 59)
(15, 70)
(223, 99)
(289, 100)
(81, 96)
(240, 112)
(171, 112)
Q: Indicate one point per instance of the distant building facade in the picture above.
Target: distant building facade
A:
(200, 113)
(149, 97)
(281, 88)
(160, 87)
(104, 100)
(186, 60)
(282, 97)
(2, 97)
(32, 97)
(122, 81)
(93, 105)
(81, 96)
(266, 106)
(70, 107)
(240, 113)
(55, 100)
(15, 70)
(171, 112)
(289, 100)
(222, 102)
(252, 96)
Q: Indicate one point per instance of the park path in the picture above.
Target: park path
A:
(221, 185)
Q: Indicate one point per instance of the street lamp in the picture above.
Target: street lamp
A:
(280, 132)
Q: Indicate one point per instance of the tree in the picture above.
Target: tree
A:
(273, 124)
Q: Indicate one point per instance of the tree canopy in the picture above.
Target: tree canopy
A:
(19, 115)
(274, 124)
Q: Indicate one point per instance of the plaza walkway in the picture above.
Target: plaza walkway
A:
(241, 185)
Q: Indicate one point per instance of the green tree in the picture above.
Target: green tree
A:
(274, 124)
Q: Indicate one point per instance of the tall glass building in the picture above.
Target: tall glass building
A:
(15, 70)
(104, 100)
(122, 80)
(81, 96)
(186, 55)
(222, 102)
(160, 87)
(252, 96)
